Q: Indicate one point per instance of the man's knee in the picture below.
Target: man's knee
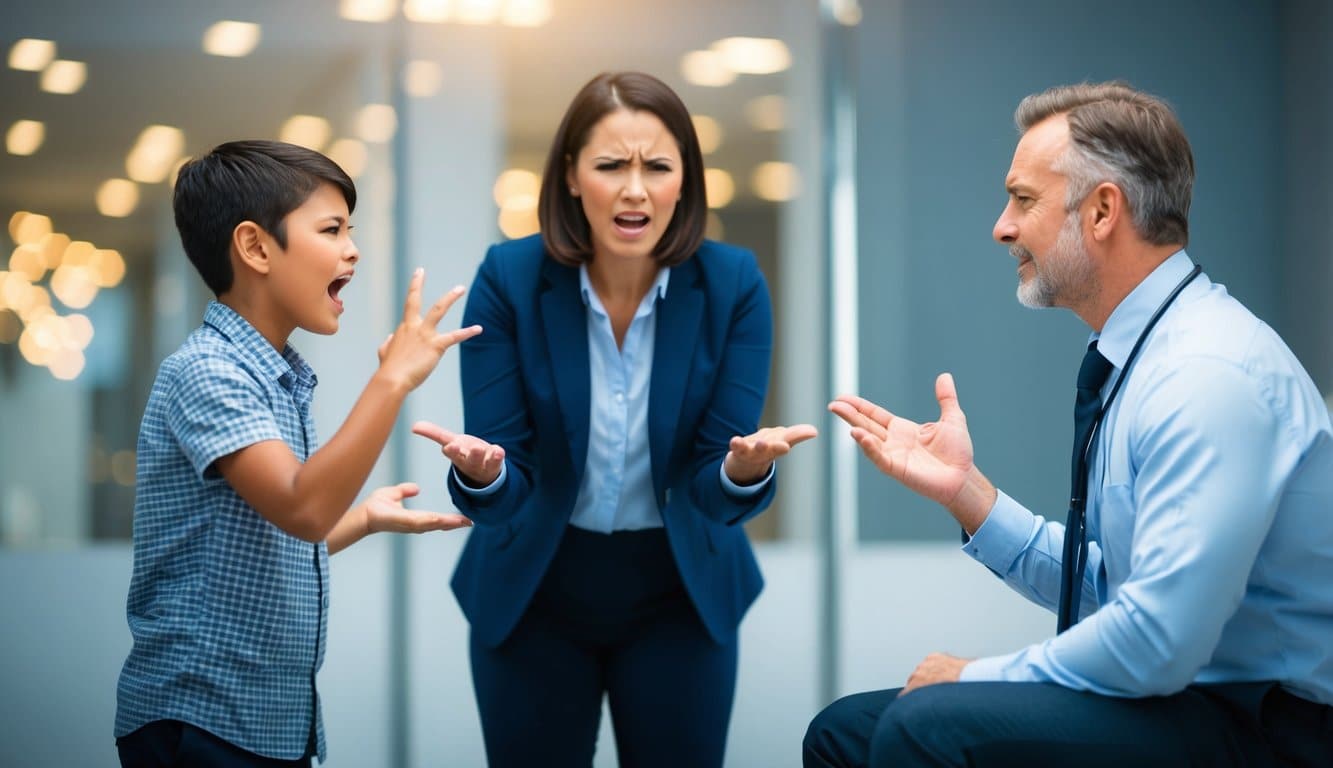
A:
(920, 725)
(840, 734)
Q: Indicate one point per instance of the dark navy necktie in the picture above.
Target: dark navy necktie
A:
(1092, 376)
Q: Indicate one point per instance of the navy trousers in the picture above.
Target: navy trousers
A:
(1039, 724)
(174, 744)
(611, 618)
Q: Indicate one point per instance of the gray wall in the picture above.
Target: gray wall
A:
(939, 80)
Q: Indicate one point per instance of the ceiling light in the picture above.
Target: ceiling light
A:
(376, 123)
(706, 68)
(753, 55)
(231, 38)
(427, 11)
(366, 10)
(155, 153)
(309, 131)
(514, 182)
(350, 155)
(27, 227)
(775, 182)
(25, 137)
(64, 76)
(526, 13)
(117, 198)
(709, 132)
(718, 188)
(422, 78)
(31, 55)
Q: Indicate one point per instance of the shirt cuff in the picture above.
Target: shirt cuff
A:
(746, 490)
(481, 492)
(988, 669)
(1002, 535)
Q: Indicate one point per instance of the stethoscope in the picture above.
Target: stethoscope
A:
(1071, 580)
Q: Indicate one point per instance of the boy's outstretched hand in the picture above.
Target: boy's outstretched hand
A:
(383, 512)
(409, 355)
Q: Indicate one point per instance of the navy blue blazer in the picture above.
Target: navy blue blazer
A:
(526, 388)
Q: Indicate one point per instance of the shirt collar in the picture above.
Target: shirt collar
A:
(591, 300)
(255, 348)
(1129, 318)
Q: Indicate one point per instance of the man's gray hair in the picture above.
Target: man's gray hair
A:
(1126, 137)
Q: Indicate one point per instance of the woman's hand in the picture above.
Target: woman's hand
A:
(751, 456)
(477, 462)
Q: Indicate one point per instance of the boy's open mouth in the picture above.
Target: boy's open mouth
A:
(337, 285)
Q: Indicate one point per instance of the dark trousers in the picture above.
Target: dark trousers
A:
(173, 744)
(1039, 724)
(612, 618)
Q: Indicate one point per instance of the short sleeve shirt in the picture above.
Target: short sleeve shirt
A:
(228, 613)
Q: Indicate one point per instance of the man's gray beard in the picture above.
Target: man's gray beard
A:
(1065, 276)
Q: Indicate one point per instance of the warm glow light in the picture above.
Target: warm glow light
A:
(231, 38)
(78, 254)
(847, 12)
(518, 216)
(376, 123)
(27, 227)
(776, 182)
(31, 55)
(514, 182)
(77, 332)
(108, 267)
(350, 155)
(767, 113)
(706, 68)
(36, 305)
(709, 132)
(719, 187)
(14, 292)
(27, 260)
(427, 11)
(31, 349)
(422, 78)
(366, 10)
(66, 364)
(753, 55)
(74, 286)
(155, 153)
(117, 198)
(309, 131)
(64, 76)
(526, 13)
(25, 137)
(53, 245)
(477, 11)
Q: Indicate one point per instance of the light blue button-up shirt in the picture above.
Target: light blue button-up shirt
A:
(1210, 514)
(617, 489)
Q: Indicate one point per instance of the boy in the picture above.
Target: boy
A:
(235, 513)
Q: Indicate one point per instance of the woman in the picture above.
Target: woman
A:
(611, 453)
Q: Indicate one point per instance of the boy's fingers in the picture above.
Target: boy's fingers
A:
(442, 305)
(412, 305)
(433, 432)
(462, 334)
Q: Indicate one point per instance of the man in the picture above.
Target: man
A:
(1206, 589)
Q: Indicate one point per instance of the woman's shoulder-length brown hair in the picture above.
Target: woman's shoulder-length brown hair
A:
(564, 228)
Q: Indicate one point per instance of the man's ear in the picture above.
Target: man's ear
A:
(250, 243)
(1108, 208)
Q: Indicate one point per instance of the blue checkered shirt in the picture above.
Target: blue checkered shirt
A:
(228, 613)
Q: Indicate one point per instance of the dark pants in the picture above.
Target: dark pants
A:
(173, 744)
(612, 618)
(1039, 724)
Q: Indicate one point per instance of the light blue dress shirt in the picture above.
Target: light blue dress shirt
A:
(1210, 517)
(616, 493)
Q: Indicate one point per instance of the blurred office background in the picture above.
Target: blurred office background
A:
(858, 148)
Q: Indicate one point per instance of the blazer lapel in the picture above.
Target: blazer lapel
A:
(564, 320)
(678, 319)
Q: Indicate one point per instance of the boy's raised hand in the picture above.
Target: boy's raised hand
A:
(414, 349)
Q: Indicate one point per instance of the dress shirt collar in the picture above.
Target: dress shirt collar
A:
(1127, 321)
(591, 300)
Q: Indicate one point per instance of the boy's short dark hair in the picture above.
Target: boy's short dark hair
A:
(257, 180)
